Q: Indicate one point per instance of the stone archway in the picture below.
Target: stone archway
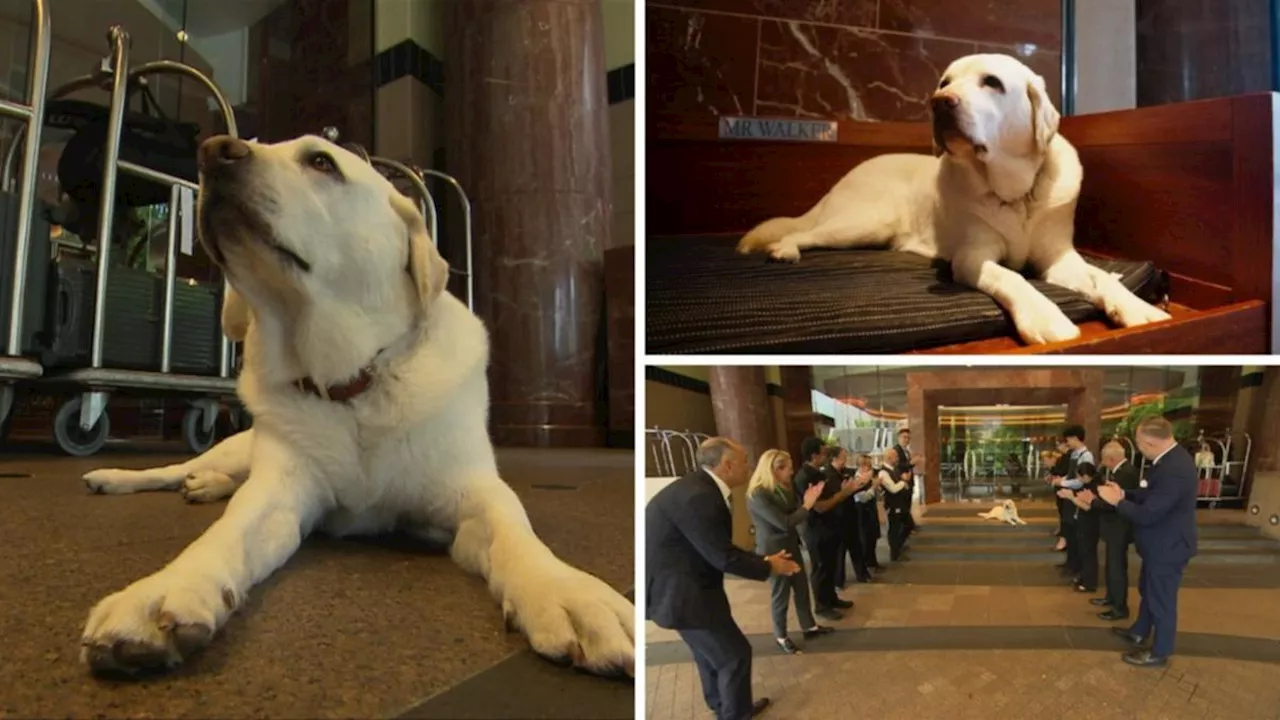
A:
(1079, 390)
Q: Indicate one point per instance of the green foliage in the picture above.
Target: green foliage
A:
(1182, 429)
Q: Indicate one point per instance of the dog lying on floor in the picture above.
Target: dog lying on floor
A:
(1002, 197)
(1006, 511)
(367, 385)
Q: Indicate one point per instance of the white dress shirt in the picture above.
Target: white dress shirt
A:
(724, 489)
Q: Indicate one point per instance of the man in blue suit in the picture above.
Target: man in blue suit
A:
(1163, 513)
(688, 549)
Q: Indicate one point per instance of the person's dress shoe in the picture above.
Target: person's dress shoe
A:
(759, 706)
(787, 646)
(1113, 615)
(817, 630)
(1127, 636)
(829, 614)
(843, 604)
(1144, 658)
(1099, 601)
(1085, 589)
(866, 579)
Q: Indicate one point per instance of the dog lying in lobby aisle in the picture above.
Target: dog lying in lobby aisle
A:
(366, 380)
(1000, 198)
(1006, 511)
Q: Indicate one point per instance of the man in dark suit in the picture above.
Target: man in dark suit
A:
(1164, 522)
(1117, 534)
(689, 548)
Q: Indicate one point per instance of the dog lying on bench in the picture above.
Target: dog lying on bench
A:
(1001, 198)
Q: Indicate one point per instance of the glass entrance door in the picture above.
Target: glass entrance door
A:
(996, 450)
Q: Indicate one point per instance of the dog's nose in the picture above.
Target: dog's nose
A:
(945, 102)
(222, 150)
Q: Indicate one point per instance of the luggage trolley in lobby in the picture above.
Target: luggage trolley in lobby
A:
(81, 425)
(14, 367)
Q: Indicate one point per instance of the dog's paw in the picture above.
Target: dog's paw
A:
(1045, 323)
(111, 481)
(154, 624)
(1136, 312)
(207, 486)
(571, 616)
(784, 252)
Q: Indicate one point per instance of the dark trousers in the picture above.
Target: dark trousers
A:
(781, 589)
(1087, 553)
(898, 530)
(1073, 546)
(1117, 552)
(824, 547)
(723, 656)
(870, 535)
(1158, 587)
(851, 547)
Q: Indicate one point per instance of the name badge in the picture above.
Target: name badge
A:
(1142, 484)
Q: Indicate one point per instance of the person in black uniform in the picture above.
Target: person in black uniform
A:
(868, 509)
(850, 518)
(688, 549)
(822, 532)
(1088, 526)
(897, 504)
(1058, 471)
(1117, 534)
(906, 471)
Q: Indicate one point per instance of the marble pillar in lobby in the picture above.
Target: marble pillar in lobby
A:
(526, 128)
(740, 401)
(797, 407)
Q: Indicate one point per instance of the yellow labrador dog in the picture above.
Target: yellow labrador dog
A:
(367, 385)
(1001, 198)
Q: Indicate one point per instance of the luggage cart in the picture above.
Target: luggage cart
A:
(1213, 477)
(81, 425)
(14, 367)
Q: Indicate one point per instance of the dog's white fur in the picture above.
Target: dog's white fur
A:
(1006, 511)
(1001, 198)
(412, 453)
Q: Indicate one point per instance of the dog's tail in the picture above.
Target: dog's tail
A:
(770, 232)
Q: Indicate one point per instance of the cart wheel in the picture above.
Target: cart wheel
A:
(74, 440)
(197, 438)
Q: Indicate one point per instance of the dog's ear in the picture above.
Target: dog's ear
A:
(429, 270)
(1044, 116)
(235, 316)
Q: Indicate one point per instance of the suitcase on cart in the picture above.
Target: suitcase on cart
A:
(133, 320)
(37, 275)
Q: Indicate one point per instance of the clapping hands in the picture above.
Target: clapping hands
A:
(1111, 493)
(1064, 493)
(1086, 496)
(782, 564)
(811, 496)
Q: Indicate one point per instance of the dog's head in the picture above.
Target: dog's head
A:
(992, 106)
(1008, 505)
(307, 226)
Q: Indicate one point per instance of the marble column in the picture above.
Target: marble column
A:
(526, 128)
(1264, 430)
(740, 402)
(797, 407)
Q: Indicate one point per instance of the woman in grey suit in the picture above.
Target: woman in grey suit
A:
(771, 499)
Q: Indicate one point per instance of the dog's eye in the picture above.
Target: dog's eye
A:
(322, 162)
(945, 82)
(993, 82)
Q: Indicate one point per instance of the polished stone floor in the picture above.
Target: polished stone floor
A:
(346, 629)
(1001, 637)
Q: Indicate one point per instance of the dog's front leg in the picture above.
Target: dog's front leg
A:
(160, 620)
(566, 613)
(212, 475)
(1102, 289)
(1037, 319)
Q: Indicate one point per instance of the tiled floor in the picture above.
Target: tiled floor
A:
(1000, 639)
(346, 629)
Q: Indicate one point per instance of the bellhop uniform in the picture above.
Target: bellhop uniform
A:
(1117, 535)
